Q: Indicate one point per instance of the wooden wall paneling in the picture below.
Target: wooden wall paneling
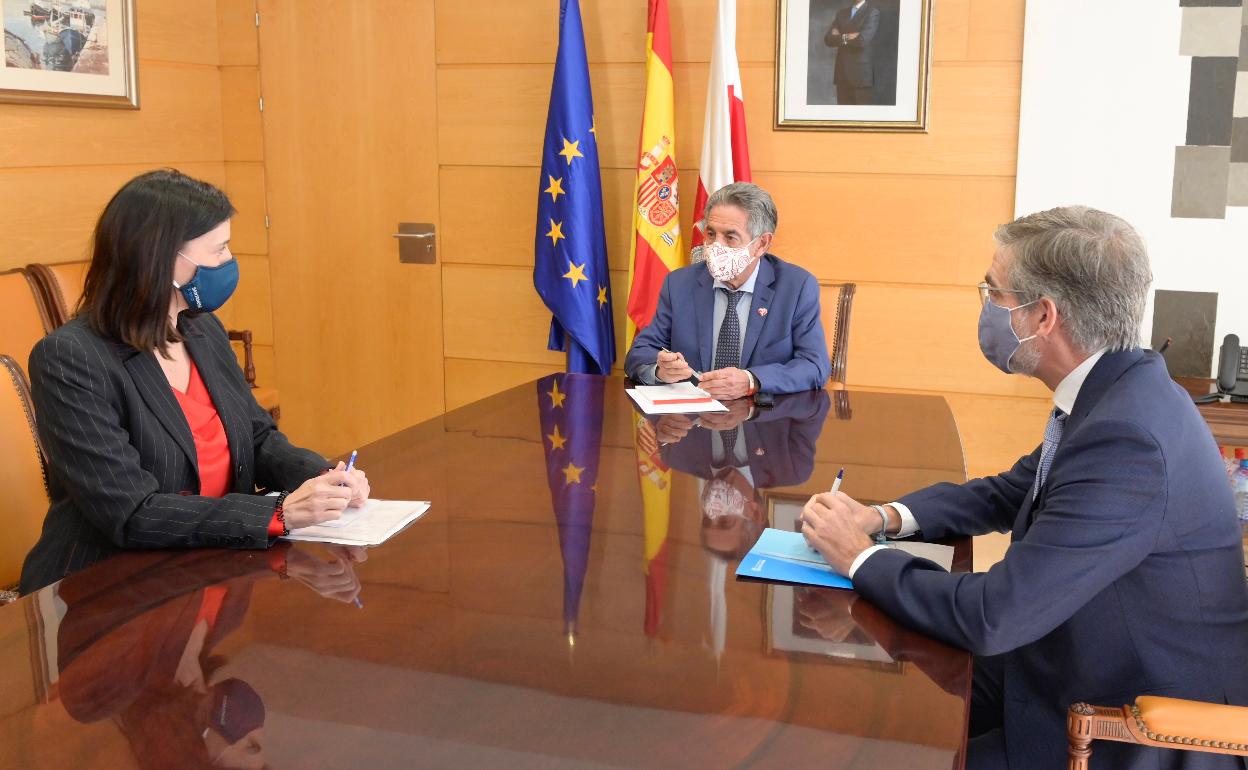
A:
(489, 214)
(924, 338)
(493, 314)
(996, 30)
(972, 128)
(244, 183)
(998, 430)
(180, 123)
(242, 129)
(48, 214)
(176, 31)
(526, 31)
(469, 380)
(236, 33)
(358, 334)
(882, 228)
(974, 125)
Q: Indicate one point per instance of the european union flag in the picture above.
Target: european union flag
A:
(570, 406)
(570, 256)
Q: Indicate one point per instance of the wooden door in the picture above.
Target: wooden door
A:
(350, 130)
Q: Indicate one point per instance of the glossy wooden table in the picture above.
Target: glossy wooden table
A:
(532, 619)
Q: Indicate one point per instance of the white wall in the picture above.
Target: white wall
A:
(1104, 104)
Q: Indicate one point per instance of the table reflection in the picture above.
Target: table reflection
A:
(135, 642)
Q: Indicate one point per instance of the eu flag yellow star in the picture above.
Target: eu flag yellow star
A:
(556, 232)
(572, 474)
(571, 150)
(576, 273)
(556, 398)
(556, 441)
(556, 188)
(602, 296)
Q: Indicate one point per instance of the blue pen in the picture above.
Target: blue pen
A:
(351, 466)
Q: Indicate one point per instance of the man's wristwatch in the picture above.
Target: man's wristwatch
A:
(753, 383)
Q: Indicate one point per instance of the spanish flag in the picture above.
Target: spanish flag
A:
(656, 247)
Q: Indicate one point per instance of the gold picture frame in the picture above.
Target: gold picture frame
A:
(885, 84)
(69, 53)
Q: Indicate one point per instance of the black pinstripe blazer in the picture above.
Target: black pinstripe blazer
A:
(122, 468)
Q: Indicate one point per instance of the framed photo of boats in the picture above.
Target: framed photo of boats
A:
(69, 52)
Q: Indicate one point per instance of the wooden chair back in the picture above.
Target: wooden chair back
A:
(22, 474)
(24, 318)
(61, 285)
(838, 334)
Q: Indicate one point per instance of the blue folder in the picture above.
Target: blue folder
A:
(786, 558)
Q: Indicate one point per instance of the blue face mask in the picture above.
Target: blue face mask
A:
(997, 339)
(210, 287)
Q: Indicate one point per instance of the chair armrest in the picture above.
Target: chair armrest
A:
(1174, 719)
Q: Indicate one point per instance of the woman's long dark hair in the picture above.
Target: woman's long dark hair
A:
(129, 283)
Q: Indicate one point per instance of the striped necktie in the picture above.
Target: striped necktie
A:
(1052, 437)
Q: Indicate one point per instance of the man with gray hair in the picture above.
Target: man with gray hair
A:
(1125, 572)
(742, 322)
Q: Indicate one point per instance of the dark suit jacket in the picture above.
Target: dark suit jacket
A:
(1125, 576)
(122, 468)
(854, 64)
(784, 348)
(780, 442)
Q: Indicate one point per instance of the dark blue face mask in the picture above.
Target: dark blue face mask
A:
(210, 287)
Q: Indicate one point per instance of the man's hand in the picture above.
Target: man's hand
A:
(672, 367)
(827, 612)
(671, 428)
(851, 36)
(738, 412)
(726, 384)
(834, 525)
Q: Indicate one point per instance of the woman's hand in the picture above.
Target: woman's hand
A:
(323, 498)
(333, 579)
(357, 482)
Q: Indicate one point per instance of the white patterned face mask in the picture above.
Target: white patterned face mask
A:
(720, 499)
(726, 262)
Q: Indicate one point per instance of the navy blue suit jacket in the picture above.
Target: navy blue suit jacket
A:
(1124, 577)
(780, 442)
(783, 348)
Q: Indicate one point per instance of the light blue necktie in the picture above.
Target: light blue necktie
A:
(853, 12)
(1052, 437)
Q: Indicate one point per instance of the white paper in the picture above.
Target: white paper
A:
(645, 396)
(372, 524)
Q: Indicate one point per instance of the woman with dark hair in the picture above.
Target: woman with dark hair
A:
(152, 436)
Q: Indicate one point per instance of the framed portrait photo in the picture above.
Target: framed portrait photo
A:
(69, 52)
(853, 65)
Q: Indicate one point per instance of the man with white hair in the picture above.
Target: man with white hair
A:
(1125, 572)
(743, 321)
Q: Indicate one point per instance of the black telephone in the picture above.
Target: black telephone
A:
(1233, 369)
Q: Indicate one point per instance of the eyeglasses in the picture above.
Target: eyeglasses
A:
(987, 292)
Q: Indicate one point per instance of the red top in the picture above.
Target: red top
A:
(211, 447)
